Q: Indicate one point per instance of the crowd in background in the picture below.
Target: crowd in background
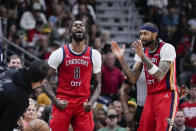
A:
(42, 26)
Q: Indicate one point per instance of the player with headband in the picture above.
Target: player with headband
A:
(159, 61)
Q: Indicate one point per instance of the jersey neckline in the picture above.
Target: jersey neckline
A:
(76, 54)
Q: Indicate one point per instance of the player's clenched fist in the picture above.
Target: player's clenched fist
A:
(61, 104)
(87, 106)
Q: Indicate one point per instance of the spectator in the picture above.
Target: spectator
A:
(28, 20)
(112, 78)
(14, 62)
(97, 44)
(189, 106)
(188, 68)
(57, 16)
(18, 42)
(86, 8)
(93, 33)
(35, 33)
(119, 110)
(12, 31)
(179, 121)
(84, 15)
(99, 118)
(41, 97)
(112, 120)
(42, 45)
(30, 114)
(105, 44)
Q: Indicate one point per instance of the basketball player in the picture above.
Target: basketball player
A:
(74, 63)
(158, 59)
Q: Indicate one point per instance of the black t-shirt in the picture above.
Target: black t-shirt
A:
(15, 88)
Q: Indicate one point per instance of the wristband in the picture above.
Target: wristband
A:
(153, 70)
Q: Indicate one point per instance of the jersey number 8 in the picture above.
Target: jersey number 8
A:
(77, 73)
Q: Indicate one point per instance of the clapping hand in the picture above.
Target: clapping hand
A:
(138, 48)
(119, 53)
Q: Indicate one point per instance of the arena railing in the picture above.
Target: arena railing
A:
(7, 44)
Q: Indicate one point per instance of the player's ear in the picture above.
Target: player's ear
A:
(154, 35)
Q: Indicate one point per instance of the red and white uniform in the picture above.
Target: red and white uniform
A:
(189, 110)
(162, 96)
(74, 76)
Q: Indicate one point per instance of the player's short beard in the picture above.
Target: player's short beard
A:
(149, 42)
(79, 38)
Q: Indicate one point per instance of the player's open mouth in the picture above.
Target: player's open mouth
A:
(79, 32)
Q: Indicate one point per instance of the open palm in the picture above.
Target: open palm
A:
(117, 50)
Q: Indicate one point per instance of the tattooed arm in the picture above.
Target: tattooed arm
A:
(133, 74)
(163, 67)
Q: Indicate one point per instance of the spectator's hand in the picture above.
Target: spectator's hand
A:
(21, 122)
(119, 53)
(61, 104)
(183, 91)
(87, 106)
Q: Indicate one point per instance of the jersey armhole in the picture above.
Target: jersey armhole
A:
(162, 44)
(63, 57)
(91, 56)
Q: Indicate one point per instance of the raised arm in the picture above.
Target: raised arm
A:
(133, 74)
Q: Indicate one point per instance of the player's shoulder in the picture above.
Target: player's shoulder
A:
(60, 49)
(167, 46)
(95, 52)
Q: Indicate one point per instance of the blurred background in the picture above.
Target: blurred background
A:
(33, 29)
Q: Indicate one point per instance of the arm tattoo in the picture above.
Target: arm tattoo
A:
(148, 64)
(124, 92)
(133, 74)
(163, 69)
